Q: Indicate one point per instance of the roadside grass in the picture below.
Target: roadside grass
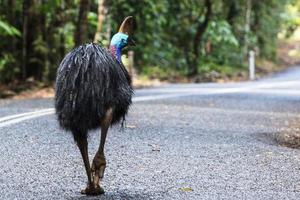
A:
(26, 89)
(288, 55)
(289, 49)
(208, 72)
(289, 135)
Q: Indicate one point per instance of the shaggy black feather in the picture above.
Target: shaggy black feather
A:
(89, 81)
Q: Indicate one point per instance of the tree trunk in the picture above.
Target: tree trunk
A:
(232, 12)
(43, 55)
(26, 7)
(32, 61)
(82, 23)
(202, 27)
(247, 27)
(12, 20)
(108, 30)
(193, 68)
(11, 12)
(101, 16)
(62, 20)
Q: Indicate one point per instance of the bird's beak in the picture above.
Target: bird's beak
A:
(131, 42)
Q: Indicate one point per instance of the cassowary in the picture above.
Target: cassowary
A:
(93, 90)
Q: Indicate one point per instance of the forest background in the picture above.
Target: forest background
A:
(177, 40)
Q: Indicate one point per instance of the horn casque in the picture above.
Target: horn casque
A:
(127, 26)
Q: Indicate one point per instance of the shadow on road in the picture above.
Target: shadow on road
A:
(128, 195)
(287, 136)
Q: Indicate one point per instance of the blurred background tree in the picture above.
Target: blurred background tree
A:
(186, 38)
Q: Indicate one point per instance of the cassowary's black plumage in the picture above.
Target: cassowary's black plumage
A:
(89, 81)
(93, 90)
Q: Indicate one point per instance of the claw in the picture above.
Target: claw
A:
(92, 190)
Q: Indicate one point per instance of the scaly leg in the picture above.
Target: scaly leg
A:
(83, 147)
(99, 162)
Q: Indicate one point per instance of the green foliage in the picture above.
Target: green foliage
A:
(291, 18)
(161, 73)
(220, 32)
(8, 69)
(225, 46)
(165, 33)
(7, 29)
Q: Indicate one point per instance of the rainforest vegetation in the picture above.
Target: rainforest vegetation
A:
(186, 37)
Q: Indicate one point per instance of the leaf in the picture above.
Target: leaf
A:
(7, 29)
(131, 126)
(186, 189)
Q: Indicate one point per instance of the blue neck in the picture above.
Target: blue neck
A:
(116, 51)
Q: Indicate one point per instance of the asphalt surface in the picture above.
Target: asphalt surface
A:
(193, 141)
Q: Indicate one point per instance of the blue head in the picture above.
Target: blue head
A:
(119, 40)
(122, 38)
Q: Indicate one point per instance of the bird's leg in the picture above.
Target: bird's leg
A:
(83, 147)
(99, 162)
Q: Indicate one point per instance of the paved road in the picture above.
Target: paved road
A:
(194, 141)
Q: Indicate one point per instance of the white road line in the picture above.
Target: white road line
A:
(162, 96)
(252, 112)
(17, 120)
(3, 119)
(279, 92)
(264, 85)
(13, 119)
(180, 92)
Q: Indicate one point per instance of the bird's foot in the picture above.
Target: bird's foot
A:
(93, 190)
(98, 168)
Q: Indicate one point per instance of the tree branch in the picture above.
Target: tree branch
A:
(202, 27)
(82, 22)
